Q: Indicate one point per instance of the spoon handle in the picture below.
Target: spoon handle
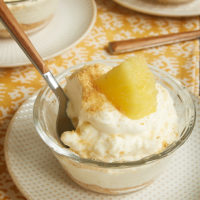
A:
(123, 46)
(21, 38)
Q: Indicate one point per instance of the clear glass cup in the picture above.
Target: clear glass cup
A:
(115, 177)
(32, 15)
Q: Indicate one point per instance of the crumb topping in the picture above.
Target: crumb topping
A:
(92, 99)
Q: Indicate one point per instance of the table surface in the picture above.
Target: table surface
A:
(113, 23)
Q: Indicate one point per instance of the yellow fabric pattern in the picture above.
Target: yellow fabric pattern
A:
(113, 23)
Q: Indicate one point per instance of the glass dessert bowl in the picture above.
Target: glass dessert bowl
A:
(113, 177)
(32, 15)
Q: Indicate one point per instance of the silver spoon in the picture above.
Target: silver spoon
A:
(63, 122)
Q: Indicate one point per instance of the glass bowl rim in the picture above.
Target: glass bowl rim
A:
(146, 160)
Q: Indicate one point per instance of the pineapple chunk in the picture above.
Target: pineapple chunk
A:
(130, 87)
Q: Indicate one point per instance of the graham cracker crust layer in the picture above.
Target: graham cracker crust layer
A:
(116, 191)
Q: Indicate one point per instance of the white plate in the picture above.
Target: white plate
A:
(72, 21)
(38, 174)
(150, 7)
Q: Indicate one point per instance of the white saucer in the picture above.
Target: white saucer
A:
(72, 21)
(169, 10)
(38, 174)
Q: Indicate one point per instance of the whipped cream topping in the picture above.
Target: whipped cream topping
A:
(104, 133)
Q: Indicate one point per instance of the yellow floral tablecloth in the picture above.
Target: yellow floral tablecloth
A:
(113, 23)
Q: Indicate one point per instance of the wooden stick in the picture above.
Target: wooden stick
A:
(123, 46)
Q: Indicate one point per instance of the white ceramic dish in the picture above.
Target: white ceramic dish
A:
(72, 21)
(38, 174)
(169, 10)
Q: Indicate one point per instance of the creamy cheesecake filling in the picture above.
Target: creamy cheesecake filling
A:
(104, 133)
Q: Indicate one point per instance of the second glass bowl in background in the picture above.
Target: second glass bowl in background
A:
(32, 15)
